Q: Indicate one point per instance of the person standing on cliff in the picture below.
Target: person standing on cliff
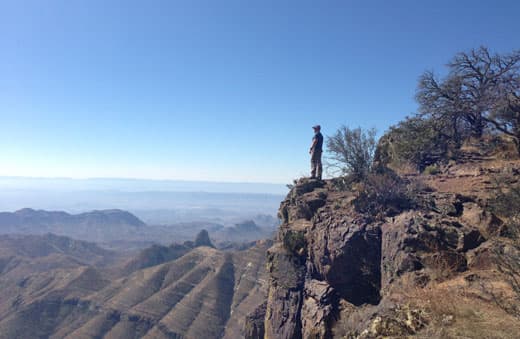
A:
(315, 152)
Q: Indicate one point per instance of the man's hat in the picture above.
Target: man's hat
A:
(316, 127)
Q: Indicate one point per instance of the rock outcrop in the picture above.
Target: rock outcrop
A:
(202, 239)
(337, 272)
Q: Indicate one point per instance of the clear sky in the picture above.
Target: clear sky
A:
(216, 90)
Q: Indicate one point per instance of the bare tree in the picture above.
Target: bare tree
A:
(505, 116)
(476, 84)
(441, 102)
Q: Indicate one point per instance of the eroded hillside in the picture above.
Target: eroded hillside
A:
(164, 292)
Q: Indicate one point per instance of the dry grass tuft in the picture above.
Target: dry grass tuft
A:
(456, 310)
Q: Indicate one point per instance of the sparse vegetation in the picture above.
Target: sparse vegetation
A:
(432, 170)
(343, 183)
(415, 141)
(383, 194)
(479, 96)
(295, 242)
(352, 151)
(469, 317)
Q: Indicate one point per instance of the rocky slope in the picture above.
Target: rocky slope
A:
(431, 270)
(164, 292)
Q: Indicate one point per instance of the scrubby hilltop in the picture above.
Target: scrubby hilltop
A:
(402, 254)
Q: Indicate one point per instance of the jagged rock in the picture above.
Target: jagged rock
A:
(285, 296)
(491, 253)
(336, 271)
(202, 239)
(413, 241)
(478, 217)
(346, 252)
(285, 268)
(317, 309)
(305, 185)
(470, 240)
(254, 326)
(302, 202)
(450, 204)
(336, 257)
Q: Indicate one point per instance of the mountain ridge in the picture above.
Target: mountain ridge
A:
(195, 292)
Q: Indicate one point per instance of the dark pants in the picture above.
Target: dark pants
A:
(316, 167)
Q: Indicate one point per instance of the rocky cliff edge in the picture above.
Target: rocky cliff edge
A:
(426, 269)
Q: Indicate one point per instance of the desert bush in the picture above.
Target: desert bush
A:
(383, 194)
(351, 151)
(417, 141)
(432, 170)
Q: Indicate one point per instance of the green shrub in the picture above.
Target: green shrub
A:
(432, 170)
(415, 141)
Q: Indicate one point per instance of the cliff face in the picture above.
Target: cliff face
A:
(337, 272)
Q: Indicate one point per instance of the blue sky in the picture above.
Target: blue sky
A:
(216, 90)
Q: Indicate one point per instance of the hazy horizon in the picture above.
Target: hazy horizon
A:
(140, 184)
(154, 201)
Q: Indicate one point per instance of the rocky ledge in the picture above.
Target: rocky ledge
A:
(337, 272)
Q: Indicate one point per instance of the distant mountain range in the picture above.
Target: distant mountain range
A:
(120, 229)
(28, 216)
(58, 287)
(94, 226)
(156, 202)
